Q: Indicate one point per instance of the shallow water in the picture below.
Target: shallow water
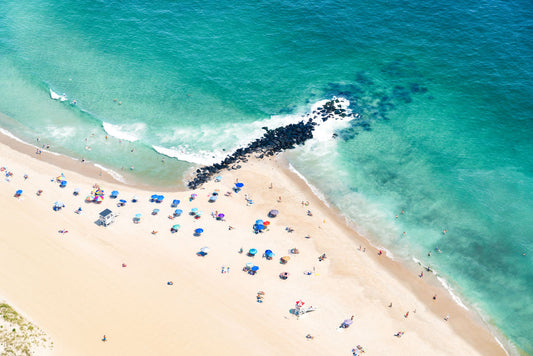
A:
(443, 88)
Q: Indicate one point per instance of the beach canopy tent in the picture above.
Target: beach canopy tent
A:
(114, 194)
(58, 206)
(178, 212)
(18, 193)
(273, 213)
(106, 217)
(63, 184)
(175, 203)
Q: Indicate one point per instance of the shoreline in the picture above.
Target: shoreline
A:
(464, 322)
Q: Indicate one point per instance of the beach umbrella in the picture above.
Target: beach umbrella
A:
(348, 322)
(218, 178)
(63, 184)
(89, 198)
(204, 249)
(138, 216)
(154, 197)
(285, 259)
(269, 253)
(249, 265)
(123, 201)
(239, 185)
(252, 251)
(221, 215)
(178, 212)
(259, 222)
(160, 198)
(194, 195)
(155, 211)
(114, 193)
(76, 191)
(198, 231)
(273, 213)
(18, 192)
(199, 213)
(99, 199)
(194, 210)
(176, 227)
(255, 268)
(134, 199)
(266, 223)
(259, 227)
(175, 202)
(59, 204)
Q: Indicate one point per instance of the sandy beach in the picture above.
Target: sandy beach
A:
(114, 281)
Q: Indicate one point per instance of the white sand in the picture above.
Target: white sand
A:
(74, 287)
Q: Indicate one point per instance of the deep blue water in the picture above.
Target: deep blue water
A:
(444, 91)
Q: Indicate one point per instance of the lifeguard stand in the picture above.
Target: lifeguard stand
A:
(106, 217)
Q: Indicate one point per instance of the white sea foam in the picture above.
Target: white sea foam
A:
(185, 153)
(314, 189)
(127, 132)
(9, 134)
(191, 143)
(450, 290)
(112, 173)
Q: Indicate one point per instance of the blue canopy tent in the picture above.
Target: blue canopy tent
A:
(175, 203)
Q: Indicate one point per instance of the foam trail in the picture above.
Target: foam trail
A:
(112, 173)
(129, 132)
(184, 153)
(450, 290)
(9, 134)
(314, 189)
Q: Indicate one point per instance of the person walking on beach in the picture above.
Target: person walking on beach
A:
(104, 339)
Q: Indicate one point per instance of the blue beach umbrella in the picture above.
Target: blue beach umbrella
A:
(18, 192)
(175, 203)
(138, 216)
(252, 251)
(160, 198)
(154, 197)
(178, 212)
(239, 185)
(255, 268)
(176, 227)
(269, 253)
(259, 222)
(194, 210)
(114, 193)
(134, 199)
(198, 231)
(155, 211)
(123, 201)
(63, 184)
(259, 227)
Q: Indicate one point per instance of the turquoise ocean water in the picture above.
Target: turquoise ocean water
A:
(444, 90)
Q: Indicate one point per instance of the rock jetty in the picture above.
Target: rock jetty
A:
(274, 141)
